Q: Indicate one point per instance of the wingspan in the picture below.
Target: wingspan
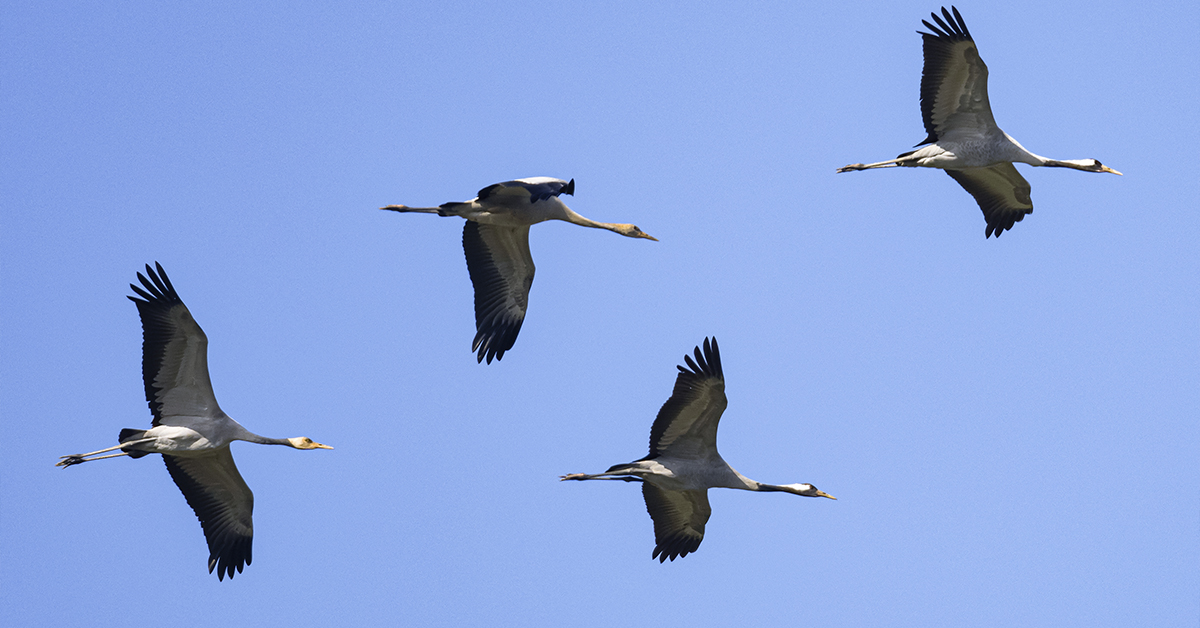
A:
(687, 423)
(501, 269)
(1002, 194)
(174, 351)
(679, 518)
(954, 99)
(222, 502)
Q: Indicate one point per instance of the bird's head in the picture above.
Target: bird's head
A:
(306, 443)
(807, 490)
(631, 231)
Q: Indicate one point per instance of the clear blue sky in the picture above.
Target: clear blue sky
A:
(1010, 425)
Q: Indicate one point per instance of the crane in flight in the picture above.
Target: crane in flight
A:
(683, 462)
(189, 429)
(963, 137)
(496, 241)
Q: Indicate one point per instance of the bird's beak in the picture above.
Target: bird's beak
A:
(1107, 169)
(824, 494)
(320, 446)
(650, 237)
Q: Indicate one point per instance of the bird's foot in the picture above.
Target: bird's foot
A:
(70, 460)
(572, 476)
(852, 167)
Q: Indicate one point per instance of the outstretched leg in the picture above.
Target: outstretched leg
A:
(891, 163)
(599, 476)
(406, 208)
(73, 459)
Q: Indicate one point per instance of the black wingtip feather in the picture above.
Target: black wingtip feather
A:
(496, 327)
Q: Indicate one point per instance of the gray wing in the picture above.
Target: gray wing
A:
(1002, 194)
(222, 502)
(686, 425)
(679, 518)
(525, 190)
(501, 269)
(954, 98)
(174, 351)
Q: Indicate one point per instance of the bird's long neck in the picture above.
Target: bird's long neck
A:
(243, 434)
(574, 218)
(1077, 164)
(1020, 154)
(263, 440)
(1032, 159)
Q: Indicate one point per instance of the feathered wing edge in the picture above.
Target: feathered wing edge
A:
(501, 270)
(699, 393)
(1001, 192)
(940, 50)
(223, 503)
(679, 518)
(159, 328)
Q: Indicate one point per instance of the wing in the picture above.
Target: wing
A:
(526, 190)
(1002, 194)
(501, 269)
(954, 99)
(174, 351)
(679, 518)
(222, 502)
(687, 423)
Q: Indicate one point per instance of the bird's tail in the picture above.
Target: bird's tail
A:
(129, 434)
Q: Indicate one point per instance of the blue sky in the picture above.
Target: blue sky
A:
(1009, 425)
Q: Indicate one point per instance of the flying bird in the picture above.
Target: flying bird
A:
(683, 462)
(189, 429)
(963, 137)
(496, 241)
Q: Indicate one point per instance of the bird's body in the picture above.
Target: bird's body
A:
(189, 429)
(963, 138)
(684, 462)
(496, 243)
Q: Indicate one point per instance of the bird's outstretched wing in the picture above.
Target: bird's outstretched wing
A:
(525, 190)
(1002, 194)
(222, 502)
(174, 351)
(954, 98)
(501, 269)
(687, 423)
(679, 518)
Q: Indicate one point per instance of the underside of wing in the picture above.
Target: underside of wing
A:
(1002, 194)
(954, 99)
(174, 351)
(526, 190)
(686, 425)
(501, 269)
(223, 504)
(679, 518)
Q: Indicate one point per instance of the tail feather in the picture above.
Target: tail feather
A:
(129, 434)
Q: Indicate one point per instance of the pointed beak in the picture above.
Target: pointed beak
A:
(320, 446)
(1107, 169)
(824, 494)
(649, 237)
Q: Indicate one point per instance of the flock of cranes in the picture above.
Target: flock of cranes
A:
(193, 434)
